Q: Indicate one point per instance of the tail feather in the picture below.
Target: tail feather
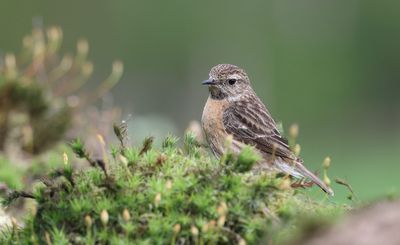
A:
(308, 174)
(298, 170)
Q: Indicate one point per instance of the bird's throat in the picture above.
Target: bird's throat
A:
(216, 93)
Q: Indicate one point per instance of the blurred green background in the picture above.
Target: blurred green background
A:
(333, 67)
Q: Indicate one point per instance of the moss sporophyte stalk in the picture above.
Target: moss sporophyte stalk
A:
(42, 91)
(189, 197)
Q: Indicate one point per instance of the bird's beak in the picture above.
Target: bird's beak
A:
(208, 82)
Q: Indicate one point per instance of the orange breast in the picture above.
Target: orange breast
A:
(212, 123)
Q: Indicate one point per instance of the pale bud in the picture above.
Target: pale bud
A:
(101, 139)
(117, 68)
(168, 185)
(10, 61)
(123, 159)
(54, 38)
(294, 130)
(125, 215)
(157, 199)
(222, 209)
(65, 159)
(194, 231)
(54, 34)
(88, 221)
(104, 217)
(327, 162)
(177, 228)
(83, 47)
(242, 242)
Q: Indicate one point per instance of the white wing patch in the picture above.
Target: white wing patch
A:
(287, 168)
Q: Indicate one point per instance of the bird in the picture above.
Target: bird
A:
(234, 110)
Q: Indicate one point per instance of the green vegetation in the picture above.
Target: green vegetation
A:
(42, 100)
(144, 195)
(9, 174)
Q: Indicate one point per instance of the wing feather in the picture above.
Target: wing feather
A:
(249, 122)
(252, 124)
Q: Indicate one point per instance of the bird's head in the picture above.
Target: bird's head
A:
(227, 81)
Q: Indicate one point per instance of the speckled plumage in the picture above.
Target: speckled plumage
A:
(233, 108)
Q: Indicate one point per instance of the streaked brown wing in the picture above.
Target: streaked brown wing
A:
(252, 124)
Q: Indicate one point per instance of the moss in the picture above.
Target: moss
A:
(144, 195)
(42, 93)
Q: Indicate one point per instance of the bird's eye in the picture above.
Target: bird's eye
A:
(232, 81)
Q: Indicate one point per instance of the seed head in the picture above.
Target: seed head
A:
(125, 215)
(168, 185)
(117, 68)
(124, 160)
(54, 34)
(157, 199)
(194, 231)
(221, 221)
(294, 131)
(104, 217)
(327, 162)
(222, 209)
(177, 228)
(83, 47)
(65, 159)
(88, 221)
(10, 61)
(242, 242)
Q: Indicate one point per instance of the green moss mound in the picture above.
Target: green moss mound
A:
(170, 195)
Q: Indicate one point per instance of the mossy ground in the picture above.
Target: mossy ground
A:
(143, 195)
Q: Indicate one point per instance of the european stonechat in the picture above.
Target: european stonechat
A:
(233, 108)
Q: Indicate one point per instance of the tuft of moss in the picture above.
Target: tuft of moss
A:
(164, 195)
(246, 160)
